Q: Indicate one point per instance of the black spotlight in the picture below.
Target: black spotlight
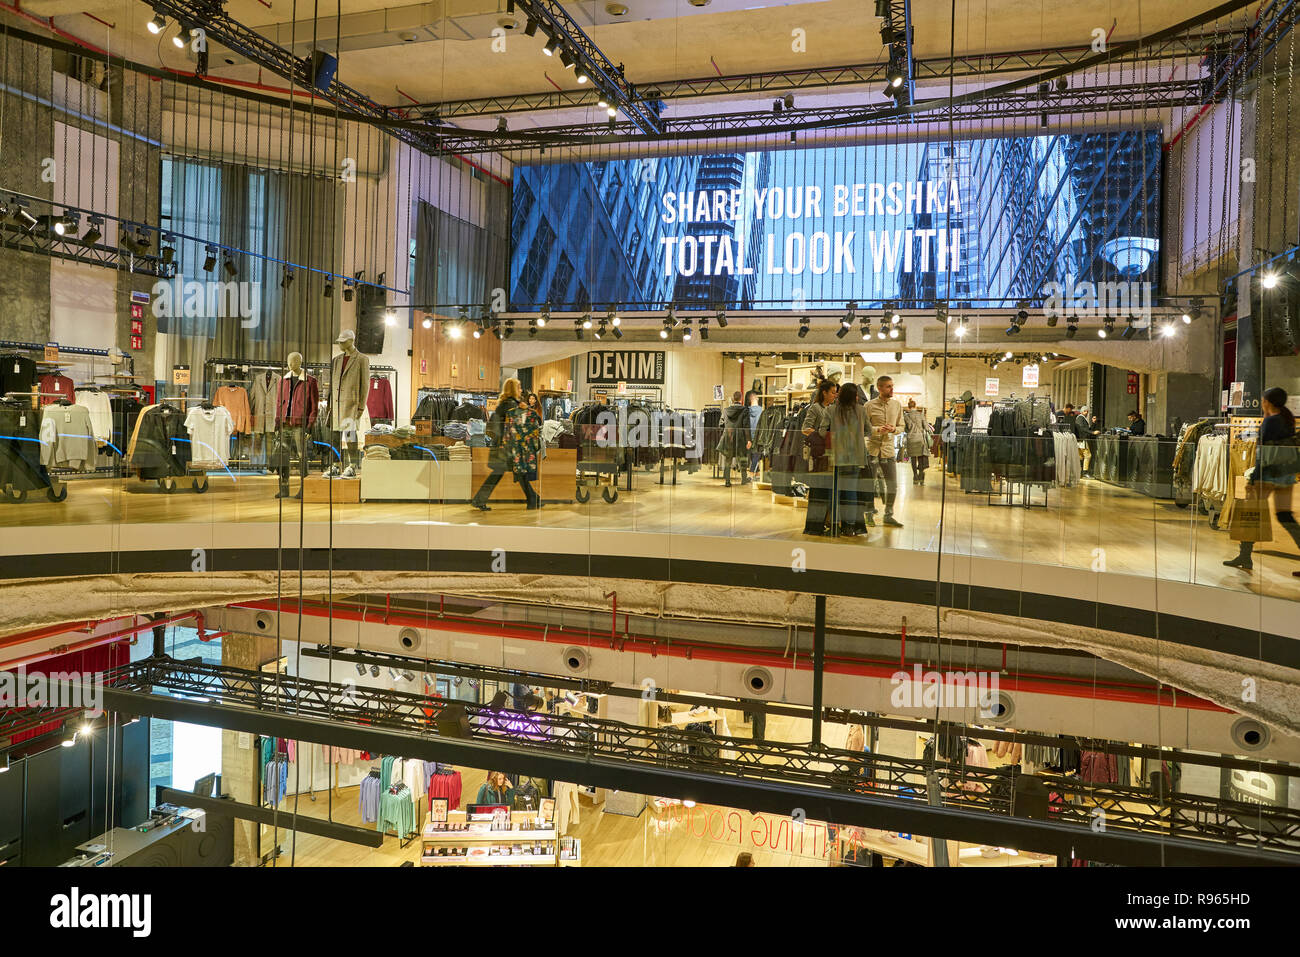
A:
(1014, 328)
(550, 46)
(1071, 330)
(663, 333)
(530, 28)
(586, 320)
(157, 25)
(498, 701)
(532, 328)
(1130, 328)
(329, 287)
(210, 262)
(287, 281)
(566, 58)
(618, 333)
(722, 319)
(510, 328)
(168, 253)
(229, 267)
(844, 328)
(142, 239)
(686, 330)
(704, 330)
(66, 225)
(347, 290)
(92, 234)
(502, 126)
(600, 330)
(545, 317)
(803, 327)
(577, 330)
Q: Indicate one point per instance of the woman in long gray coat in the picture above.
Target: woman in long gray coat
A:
(918, 433)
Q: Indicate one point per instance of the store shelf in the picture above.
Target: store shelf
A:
(487, 837)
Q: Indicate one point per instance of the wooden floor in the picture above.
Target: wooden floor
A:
(1083, 527)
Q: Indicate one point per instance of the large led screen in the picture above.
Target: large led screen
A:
(989, 221)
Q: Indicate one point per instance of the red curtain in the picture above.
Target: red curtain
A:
(90, 659)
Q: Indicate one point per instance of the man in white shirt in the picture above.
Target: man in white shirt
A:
(884, 415)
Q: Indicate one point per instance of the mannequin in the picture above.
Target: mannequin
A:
(349, 380)
(295, 413)
(869, 381)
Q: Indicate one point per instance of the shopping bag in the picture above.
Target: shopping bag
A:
(1251, 521)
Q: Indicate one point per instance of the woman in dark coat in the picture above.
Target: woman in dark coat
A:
(735, 441)
(500, 430)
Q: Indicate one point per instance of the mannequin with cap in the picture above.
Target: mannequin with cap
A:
(349, 380)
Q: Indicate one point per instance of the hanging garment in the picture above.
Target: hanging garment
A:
(67, 441)
(56, 386)
(396, 810)
(445, 785)
(159, 446)
(234, 399)
(379, 398)
(567, 809)
(210, 431)
(262, 402)
(1241, 459)
(101, 413)
(17, 374)
(20, 446)
(369, 799)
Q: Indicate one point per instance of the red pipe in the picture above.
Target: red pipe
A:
(1042, 684)
(107, 639)
(111, 26)
(21, 638)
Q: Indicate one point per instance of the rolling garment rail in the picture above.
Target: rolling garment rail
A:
(25, 475)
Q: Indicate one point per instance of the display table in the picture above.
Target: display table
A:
(420, 481)
(465, 843)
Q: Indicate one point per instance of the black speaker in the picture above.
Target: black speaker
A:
(1279, 320)
(323, 66)
(371, 304)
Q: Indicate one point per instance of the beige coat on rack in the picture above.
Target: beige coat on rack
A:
(347, 390)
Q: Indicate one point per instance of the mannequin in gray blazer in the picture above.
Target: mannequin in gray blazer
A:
(349, 380)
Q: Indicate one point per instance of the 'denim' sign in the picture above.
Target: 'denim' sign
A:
(644, 367)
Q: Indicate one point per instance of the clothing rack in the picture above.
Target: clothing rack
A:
(40, 347)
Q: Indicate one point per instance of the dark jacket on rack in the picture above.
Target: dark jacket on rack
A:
(160, 446)
(735, 431)
(769, 430)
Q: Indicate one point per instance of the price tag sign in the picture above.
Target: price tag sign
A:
(137, 342)
(51, 352)
(991, 386)
(1029, 377)
(137, 311)
(622, 386)
(717, 393)
(455, 370)
(180, 375)
(568, 385)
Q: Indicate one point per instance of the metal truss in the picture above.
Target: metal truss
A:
(821, 78)
(74, 250)
(607, 78)
(1015, 105)
(220, 27)
(524, 740)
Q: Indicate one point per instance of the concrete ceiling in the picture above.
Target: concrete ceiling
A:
(443, 50)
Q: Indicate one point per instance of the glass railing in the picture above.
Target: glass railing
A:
(1142, 509)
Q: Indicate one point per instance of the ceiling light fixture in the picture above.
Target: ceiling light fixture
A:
(287, 281)
(545, 317)
(803, 327)
(210, 263)
(93, 233)
(157, 24)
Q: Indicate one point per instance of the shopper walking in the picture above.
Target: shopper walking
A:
(919, 436)
(884, 416)
(815, 427)
(849, 453)
(509, 457)
(734, 443)
(1277, 462)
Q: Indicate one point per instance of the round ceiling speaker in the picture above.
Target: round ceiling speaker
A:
(409, 638)
(575, 660)
(1249, 734)
(757, 681)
